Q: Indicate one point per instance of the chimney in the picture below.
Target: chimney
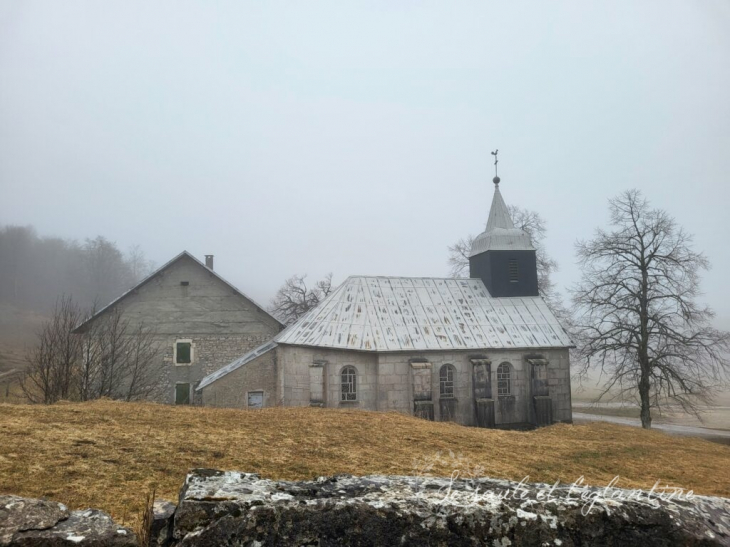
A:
(209, 261)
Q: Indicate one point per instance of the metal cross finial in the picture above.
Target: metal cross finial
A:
(496, 161)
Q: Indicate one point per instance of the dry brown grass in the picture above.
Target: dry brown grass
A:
(109, 455)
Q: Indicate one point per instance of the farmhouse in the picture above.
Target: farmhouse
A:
(199, 321)
(484, 350)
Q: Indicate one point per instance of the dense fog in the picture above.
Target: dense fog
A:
(36, 270)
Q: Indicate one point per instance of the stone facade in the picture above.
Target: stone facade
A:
(294, 376)
(401, 382)
(210, 352)
(257, 376)
(395, 381)
(187, 302)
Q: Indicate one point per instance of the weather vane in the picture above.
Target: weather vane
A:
(496, 161)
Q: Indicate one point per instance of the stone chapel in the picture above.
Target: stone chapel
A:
(484, 350)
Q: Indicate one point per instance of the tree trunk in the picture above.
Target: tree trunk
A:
(644, 380)
(644, 386)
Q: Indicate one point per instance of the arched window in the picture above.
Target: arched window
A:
(504, 380)
(447, 374)
(349, 384)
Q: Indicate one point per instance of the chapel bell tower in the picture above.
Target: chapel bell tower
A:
(503, 256)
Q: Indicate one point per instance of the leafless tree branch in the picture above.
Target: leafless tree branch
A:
(636, 315)
(295, 298)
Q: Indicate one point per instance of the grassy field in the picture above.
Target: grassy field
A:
(108, 454)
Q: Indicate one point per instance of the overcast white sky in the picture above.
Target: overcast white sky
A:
(309, 137)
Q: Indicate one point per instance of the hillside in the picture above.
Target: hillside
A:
(18, 329)
(110, 454)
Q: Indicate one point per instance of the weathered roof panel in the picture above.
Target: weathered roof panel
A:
(244, 359)
(415, 314)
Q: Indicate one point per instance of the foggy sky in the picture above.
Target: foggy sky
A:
(309, 137)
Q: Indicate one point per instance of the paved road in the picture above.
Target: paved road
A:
(672, 429)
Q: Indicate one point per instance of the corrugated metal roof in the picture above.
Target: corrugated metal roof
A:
(415, 314)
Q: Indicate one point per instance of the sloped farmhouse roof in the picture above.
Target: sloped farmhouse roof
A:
(415, 314)
(159, 270)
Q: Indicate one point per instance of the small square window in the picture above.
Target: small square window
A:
(183, 353)
(255, 399)
(182, 394)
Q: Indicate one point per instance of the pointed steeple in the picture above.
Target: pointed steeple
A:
(502, 256)
(500, 233)
(499, 216)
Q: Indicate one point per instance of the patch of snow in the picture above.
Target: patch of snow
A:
(526, 515)
(282, 497)
(76, 539)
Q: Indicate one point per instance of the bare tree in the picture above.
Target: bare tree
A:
(112, 342)
(111, 359)
(108, 273)
(37, 383)
(123, 362)
(51, 371)
(144, 369)
(138, 264)
(295, 298)
(459, 256)
(534, 225)
(89, 369)
(637, 319)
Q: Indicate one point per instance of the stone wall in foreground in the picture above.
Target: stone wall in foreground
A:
(239, 509)
(229, 508)
(41, 523)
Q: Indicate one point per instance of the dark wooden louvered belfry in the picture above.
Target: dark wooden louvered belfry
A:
(503, 256)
